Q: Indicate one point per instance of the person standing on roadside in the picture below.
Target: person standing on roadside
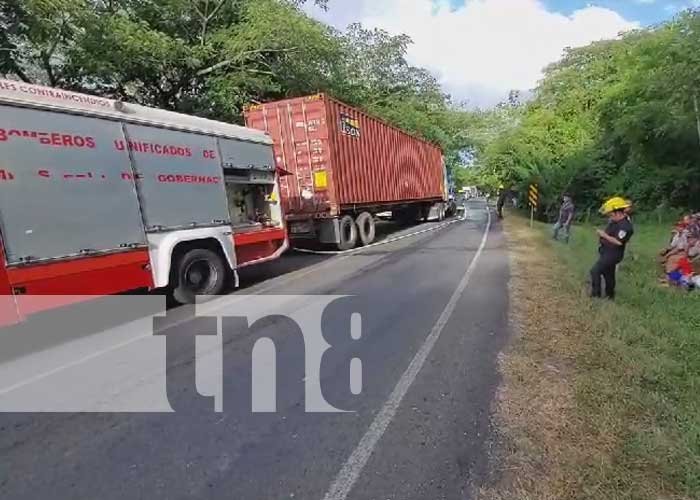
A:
(502, 195)
(613, 241)
(566, 217)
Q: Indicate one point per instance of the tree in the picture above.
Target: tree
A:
(35, 35)
(213, 57)
(614, 117)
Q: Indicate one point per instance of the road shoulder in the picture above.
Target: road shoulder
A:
(576, 416)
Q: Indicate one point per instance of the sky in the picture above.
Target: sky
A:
(481, 49)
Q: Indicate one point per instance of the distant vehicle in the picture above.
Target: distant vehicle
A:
(100, 197)
(344, 167)
(470, 192)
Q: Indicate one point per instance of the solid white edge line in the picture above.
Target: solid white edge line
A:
(351, 470)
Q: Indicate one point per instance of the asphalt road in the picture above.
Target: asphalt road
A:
(433, 319)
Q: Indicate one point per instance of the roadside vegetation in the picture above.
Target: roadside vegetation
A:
(600, 400)
(617, 117)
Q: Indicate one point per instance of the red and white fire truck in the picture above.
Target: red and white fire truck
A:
(99, 197)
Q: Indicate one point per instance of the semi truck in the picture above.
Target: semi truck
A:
(341, 167)
(99, 197)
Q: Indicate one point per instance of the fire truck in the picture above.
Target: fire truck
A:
(99, 197)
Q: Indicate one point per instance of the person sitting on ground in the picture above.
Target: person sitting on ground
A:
(679, 240)
(694, 226)
(679, 270)
(693, 248)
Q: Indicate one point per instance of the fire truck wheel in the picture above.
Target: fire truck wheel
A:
(199, 272)
(366, 228)
(348, 233)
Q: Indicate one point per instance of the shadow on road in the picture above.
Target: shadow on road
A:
(52, 328)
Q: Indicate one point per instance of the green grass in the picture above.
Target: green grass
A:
(639, 372)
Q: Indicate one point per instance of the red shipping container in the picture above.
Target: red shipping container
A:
(340, 159)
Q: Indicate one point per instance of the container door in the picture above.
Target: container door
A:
(279, 124)
(296, 129)
(313, 153)
(65, 188)
(300, 133)
(180, 178)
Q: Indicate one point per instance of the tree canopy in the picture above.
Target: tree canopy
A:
(213, 57)
(617, 117)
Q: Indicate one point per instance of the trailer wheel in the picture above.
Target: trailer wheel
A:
(441, 212)
(199, 272)
(348, 233)
(366, 228)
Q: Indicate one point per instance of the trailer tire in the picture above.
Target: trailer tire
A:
(348, 233)
(441, 212)
(366, 228)
(198, 272)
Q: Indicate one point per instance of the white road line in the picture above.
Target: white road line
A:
(351, 470)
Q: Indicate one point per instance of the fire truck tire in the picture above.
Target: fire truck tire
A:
(348, 233)
(366, 228)
(199, 272)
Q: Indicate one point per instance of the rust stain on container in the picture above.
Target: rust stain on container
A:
(339, 157)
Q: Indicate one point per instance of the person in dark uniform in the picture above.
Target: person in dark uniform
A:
(502, 196)
(613, 241)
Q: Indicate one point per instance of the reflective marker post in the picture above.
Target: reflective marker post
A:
(534, 198)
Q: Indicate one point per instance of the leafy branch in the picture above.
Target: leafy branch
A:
(207, 16)
(243, 56)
